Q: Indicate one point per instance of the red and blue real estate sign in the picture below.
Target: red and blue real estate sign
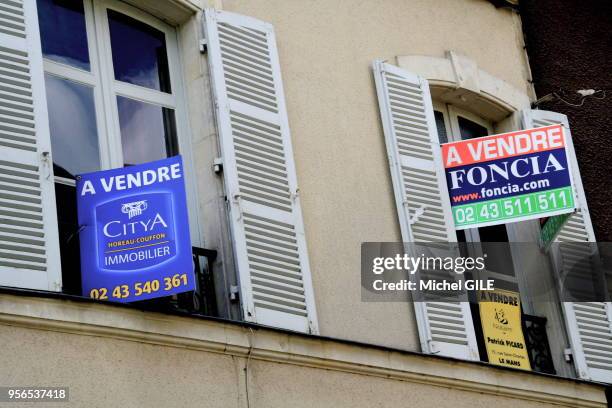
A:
(508, 177)
(135, 242)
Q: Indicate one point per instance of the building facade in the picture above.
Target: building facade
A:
(347, 100)
(546, 44)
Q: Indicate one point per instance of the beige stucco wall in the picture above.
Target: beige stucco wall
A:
(107, 373)
(112, 356)
(326, 49)
(103, 372)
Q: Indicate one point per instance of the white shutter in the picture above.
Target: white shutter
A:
(260, 178)
(29, 243)
(421, 197)
(589, 324)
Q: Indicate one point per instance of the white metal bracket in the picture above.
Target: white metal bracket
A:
(218, 165)
(417, 213)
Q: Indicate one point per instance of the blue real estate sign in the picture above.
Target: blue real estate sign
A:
(134, 237)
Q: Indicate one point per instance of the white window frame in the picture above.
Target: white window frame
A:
(106, 89)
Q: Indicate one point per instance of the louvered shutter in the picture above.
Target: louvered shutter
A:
(589, 324)
(29, 246)
(422, 202)
(260, 179)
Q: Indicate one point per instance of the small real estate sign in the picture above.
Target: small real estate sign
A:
(134, 238)
(500, 316)
(509, 177)
(551, 229)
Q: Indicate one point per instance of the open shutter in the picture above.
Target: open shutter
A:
(260, 178)
(589, 324)
(29, 243)
(423, 205)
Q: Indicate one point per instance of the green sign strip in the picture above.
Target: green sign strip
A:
(517, 207)
(551, 228)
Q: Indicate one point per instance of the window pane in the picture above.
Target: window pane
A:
(62, 32)
(470, 130)
(139, 52)
(499, 256)
(72, 122)
(439, 116)
(148, 132)
(493, 233)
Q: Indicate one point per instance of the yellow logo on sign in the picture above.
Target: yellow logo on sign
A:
(500, 315)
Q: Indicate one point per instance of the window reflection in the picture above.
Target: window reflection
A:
(62, 32)
(139, 52)
(72, 122)
(148, 132)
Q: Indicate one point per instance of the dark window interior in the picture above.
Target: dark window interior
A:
(493, 233)
(499, 257)
(69, 238)
(469, 129)
(442, 136)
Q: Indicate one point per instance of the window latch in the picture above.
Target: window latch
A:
(567, 353)
(218, 165)
(234, 293)
(203, 46)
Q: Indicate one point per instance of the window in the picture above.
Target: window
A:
(114, 99)
(454, 124)
(112, 78)
(410, 119)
